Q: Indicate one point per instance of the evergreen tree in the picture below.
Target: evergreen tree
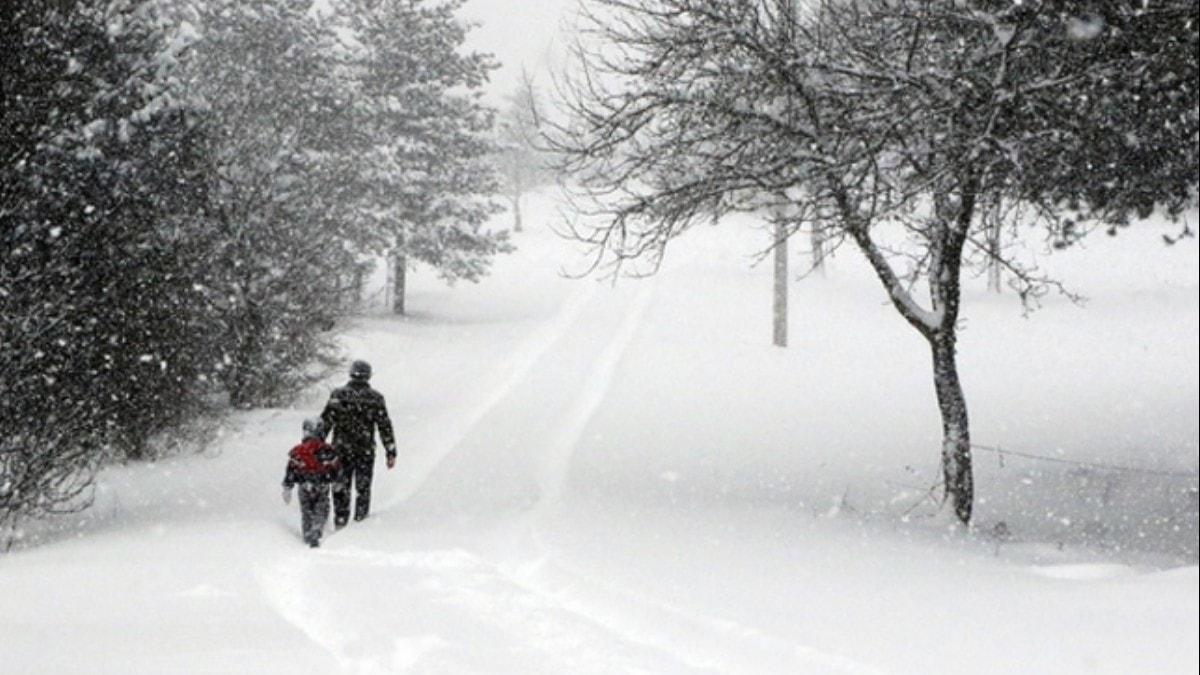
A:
(103, 336)
(281, 256)
(421, 137)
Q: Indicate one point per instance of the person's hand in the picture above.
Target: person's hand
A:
(287, 495)
(391, 461)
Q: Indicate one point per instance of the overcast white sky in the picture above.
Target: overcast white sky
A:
(519, 33)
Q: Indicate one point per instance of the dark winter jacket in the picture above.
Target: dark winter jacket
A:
(313, 461)
(352, 415)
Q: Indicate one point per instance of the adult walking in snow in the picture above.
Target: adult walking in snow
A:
(312, 465)
(353, 414)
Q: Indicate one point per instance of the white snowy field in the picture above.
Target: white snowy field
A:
(629, 478)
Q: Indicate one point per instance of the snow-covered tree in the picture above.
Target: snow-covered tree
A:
(272, 108)
(421, 136)
(103, 341)
(895, 125)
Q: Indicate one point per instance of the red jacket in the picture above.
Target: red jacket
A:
(313, 461)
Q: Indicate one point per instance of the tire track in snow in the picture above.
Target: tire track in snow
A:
(455, 427)
(558, 453)
(569, 620)
(695, 638)
(537, 633)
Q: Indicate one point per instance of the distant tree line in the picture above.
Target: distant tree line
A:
(188, 191)
(910, 130)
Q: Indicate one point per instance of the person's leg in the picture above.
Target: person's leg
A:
(364, 471)
(321, 512)
(341, 491)
(310, 520)
(319, 495)
(304, 514)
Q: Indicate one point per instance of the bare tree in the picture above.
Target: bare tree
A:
(520, 159)
(893, 125)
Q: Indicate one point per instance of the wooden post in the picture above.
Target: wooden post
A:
(781, 234)
(781, 283)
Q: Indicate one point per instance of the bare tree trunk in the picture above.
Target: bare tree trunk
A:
(781, 284)
(245, 377)
(359, 284)
(946, 292)
(399, 279)
(939, 328)
(389, 278)
(956, 434)
(399, 275)
(516, 203)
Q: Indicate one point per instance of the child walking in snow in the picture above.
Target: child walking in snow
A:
(313, 465)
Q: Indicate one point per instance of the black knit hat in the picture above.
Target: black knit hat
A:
(360, 370)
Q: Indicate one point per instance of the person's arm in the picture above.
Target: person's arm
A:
(386, 434)
(289, 480)
(327, 415)
(289, 475)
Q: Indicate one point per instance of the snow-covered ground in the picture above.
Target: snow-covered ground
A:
(629, 478)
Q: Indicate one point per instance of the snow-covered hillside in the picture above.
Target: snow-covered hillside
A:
(600, 478)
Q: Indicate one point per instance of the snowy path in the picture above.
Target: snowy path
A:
(514, 589)
(306, 589)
